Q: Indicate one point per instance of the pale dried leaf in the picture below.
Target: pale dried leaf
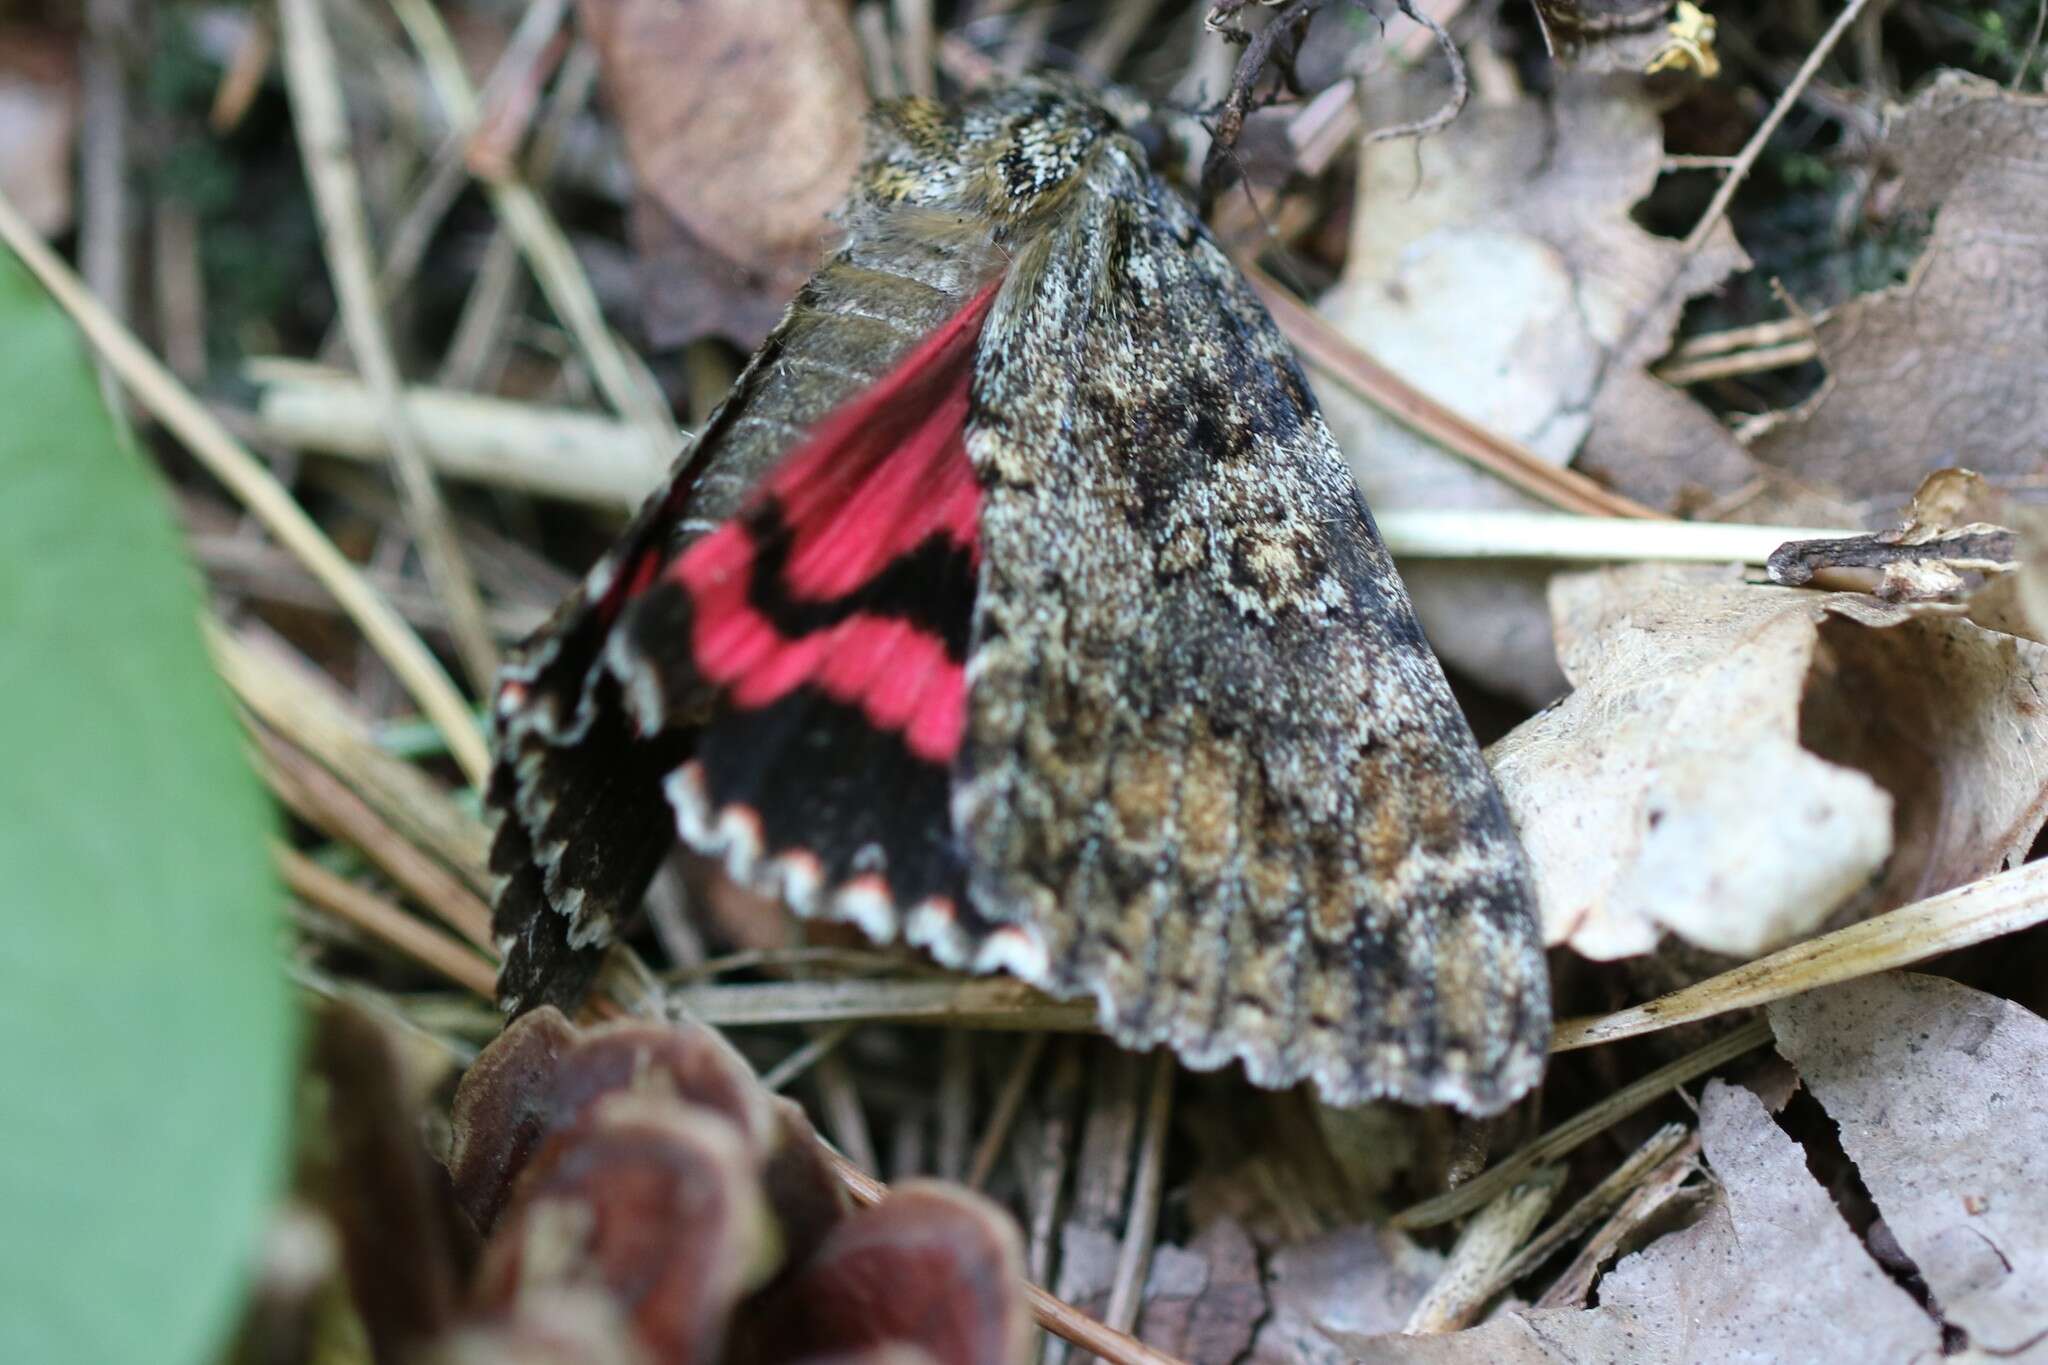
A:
(1936, 1090)
(1950, 719)
(1738, 761)
(1501, 282)
(1946, 368)
(1769, 1272)
(1504, 280)
(1670, 790)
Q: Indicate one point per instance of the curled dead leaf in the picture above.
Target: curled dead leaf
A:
(1738, 761)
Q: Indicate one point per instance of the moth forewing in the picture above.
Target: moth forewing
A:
(1042, 624)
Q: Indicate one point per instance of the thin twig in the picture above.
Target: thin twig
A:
(385, 922)
(1003, 1114)
(506, 105)
(253, 567)
(955, 1104)
(1119, 27)
(555, 452)
(1274, 45)
(1484, 1187)
(307, 715)
(326, 803)
(1657, 1189)
(839, 1104)
(242, 81)
(180, 288)
(1328, 350)
(313, 80)
(1127, 1290)
(915, 46)
(1461, 84)
(622, 377)
(2033, 46)
(1472, 1275)
(1573, 539)
(495, 298)
(1756, 334)
(202, 434)
(448, 172)
(804, 1058)
(2003, 903)
(1597, 1202)
(1754, 148)
(949, 1003)
(1054, 1315)
(105, 215)
(878, 54)
(1740, 363)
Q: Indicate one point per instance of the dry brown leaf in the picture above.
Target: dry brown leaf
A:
(1946, 368)
(1769, 1272)
(1936, 1090)
(1502, 281)
(742, 120)
(2017, 602)
(1670, 790)
(1952, 720)
(1738, 761)
(1494, 265)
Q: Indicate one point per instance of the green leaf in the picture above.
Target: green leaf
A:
(145, 1024)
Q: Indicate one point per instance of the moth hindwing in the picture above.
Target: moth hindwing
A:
(1017, 602)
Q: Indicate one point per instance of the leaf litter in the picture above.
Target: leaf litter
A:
(1737, 765)
(1737, 762)
(1945, 368)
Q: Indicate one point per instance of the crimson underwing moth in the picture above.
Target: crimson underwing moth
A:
(1018, 604)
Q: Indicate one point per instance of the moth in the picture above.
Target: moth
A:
(1017, 603)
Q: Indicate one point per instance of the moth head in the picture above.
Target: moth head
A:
(1008, 153)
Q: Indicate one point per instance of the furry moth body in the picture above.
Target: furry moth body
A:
(1017, 602)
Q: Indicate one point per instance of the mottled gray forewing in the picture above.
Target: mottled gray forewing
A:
(1211, 758)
